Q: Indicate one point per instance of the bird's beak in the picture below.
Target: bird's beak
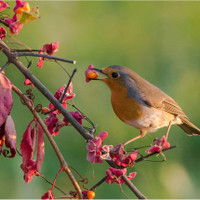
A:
(101, 71)
(98, 70)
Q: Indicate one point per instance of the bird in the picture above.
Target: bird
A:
(142, 105)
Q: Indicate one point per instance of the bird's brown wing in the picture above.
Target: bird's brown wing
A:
(156, 98)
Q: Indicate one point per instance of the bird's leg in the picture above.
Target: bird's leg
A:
(120, 148)
(142, 134)
(168, 128)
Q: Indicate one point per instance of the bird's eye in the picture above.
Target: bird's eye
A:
(114, 74)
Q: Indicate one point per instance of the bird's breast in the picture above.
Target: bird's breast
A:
(126, 108)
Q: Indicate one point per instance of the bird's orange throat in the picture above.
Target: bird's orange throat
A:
(125, 108)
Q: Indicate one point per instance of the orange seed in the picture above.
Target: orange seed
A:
(90, 194)
(92, 75)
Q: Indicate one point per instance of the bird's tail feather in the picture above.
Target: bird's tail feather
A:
(188, 127)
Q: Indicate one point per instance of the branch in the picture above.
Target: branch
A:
(70, 79)
(50, 138)
(12, 59)
(127, 181)
(44, 56)
(99, 183)
(86, 135)
(154, 153)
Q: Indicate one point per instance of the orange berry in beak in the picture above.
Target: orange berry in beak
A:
(92, 75)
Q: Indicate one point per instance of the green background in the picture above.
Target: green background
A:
(158, 40)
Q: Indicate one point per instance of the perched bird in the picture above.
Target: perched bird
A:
(142, 105)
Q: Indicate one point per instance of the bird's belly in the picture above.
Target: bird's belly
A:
(153, 120)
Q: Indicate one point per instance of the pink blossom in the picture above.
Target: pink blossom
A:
(88, 73)
(53, 123)
(68, 95)
(114, 175)
(3, 32)
(159, 144)
(3, 5)
(20, 6)
(130, 177)
(94, 148)
(120, 158)
(41, 59)
(77, 115)
(52, 48)
(13, 22)
(28, 82)
(40, 62)
(105, 149)
(129, 160)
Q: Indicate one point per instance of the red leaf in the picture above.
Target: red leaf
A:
(48, 195)
(10, 136)
(32, 137)
(6, 100)
(27, 145)
(2, 137)
(40, 149)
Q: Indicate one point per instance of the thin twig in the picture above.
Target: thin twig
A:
(152, 154)
(66, 88)
(62, 67)
(8, 63)
(25, 50)
(98, 184)
(44, 56)
(4, 23)
(65, 197)
(73, 105)
(18, 42)
(41, 175)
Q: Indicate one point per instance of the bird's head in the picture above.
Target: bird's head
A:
(117, 76)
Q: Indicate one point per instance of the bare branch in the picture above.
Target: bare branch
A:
(70, 79)
(152, 154)
(99, 183)
(44, 56)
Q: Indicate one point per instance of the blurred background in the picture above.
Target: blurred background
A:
(158, 40)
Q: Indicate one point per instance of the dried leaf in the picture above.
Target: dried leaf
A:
(10, 136)
(6, 100)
